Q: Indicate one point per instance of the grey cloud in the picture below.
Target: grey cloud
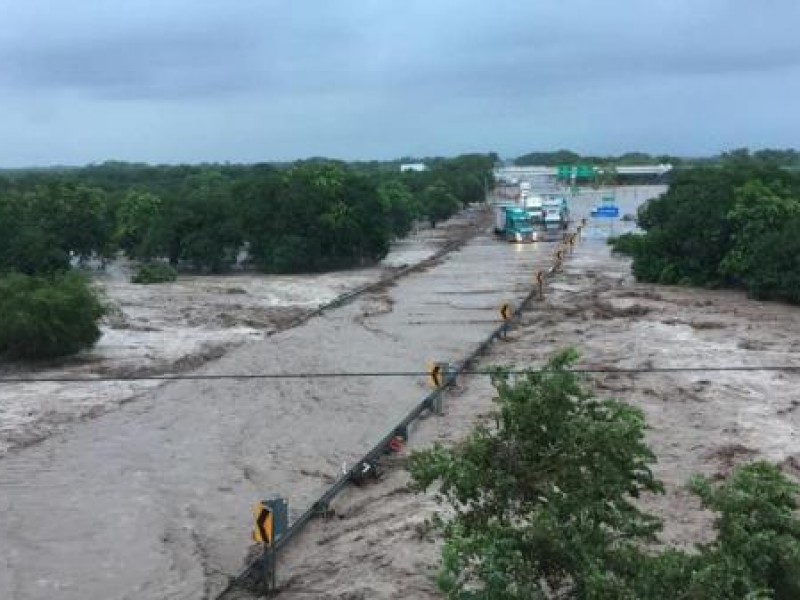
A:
(262, 78)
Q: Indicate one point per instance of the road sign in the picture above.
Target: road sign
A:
(436, 374)
(263, 533)
(506, 311)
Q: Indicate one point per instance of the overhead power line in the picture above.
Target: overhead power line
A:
(376, 374)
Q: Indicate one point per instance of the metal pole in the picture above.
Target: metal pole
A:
(269, 571)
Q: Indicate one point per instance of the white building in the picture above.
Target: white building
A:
(413, 167)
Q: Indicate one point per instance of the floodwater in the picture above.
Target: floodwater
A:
(152, 500)
(380, 546)
(176, 327)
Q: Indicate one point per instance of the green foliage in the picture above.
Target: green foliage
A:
(439, 202)
(761, 213)
(723, 226)
(758, 543)
(400, 205)
(542, 498)
(47, 317)
(548, 159)
(540, 505)
(201, 225)
(627, 243)
(316, 217)
(154, 273)
(138, 217)
(308, 216)
(25, 245)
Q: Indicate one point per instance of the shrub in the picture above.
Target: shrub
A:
(627, 243)
(47, 317)
(154, 273)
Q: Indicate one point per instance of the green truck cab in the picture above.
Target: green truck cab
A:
(513, 224)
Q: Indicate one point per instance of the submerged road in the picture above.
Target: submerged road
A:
(153, 500)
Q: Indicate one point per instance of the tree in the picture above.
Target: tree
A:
(439, 202)
(137, 220)
(760, 208)
(200, 225)
(47, 317)
(723, 226)
(76, 216)
(757, 550)
(25, 246)
(542, 497)
(540, 505)
(549, 159)
(400, 205)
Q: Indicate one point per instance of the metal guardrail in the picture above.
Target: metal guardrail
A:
(254, 573)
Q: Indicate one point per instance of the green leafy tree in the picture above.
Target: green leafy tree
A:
(759, 210)
(542, 497)
(439, 202)
(541, 504)
(775, 273)
(26, 246)
(401, 206)
(201, 224)
(47, 317)
(76, 216)
(138, 216)
(549, 159)
(757, 550)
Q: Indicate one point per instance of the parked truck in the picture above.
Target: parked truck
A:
(556, 213)
(513, 224)
(533, 205)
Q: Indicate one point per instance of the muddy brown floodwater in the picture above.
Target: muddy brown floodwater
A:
(151, 499)
(176, 327)
(378, 545)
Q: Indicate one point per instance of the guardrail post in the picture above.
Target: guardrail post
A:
(436, 403)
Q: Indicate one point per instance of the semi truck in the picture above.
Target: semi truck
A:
(533, 205)
(513, 224)
(556, 214)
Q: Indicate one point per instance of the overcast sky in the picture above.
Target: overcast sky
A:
(252, 80)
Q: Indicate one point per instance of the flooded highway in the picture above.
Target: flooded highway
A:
(153, 500)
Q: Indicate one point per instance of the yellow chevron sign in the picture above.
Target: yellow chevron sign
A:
(264, 532)
(506, 311)
(436, 375)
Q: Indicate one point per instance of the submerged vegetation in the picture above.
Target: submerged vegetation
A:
(310, 216)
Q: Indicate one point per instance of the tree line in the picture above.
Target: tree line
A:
(787, 158)
(734, 225)
(309, 216)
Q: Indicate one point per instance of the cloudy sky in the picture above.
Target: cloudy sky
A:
(249, 80)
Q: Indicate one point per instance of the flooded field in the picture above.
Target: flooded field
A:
(154, 497)
(176, 327)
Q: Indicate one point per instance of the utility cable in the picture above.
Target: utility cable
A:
(376, 374)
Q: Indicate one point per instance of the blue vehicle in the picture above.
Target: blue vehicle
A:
(607, 209)
(513, 224)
